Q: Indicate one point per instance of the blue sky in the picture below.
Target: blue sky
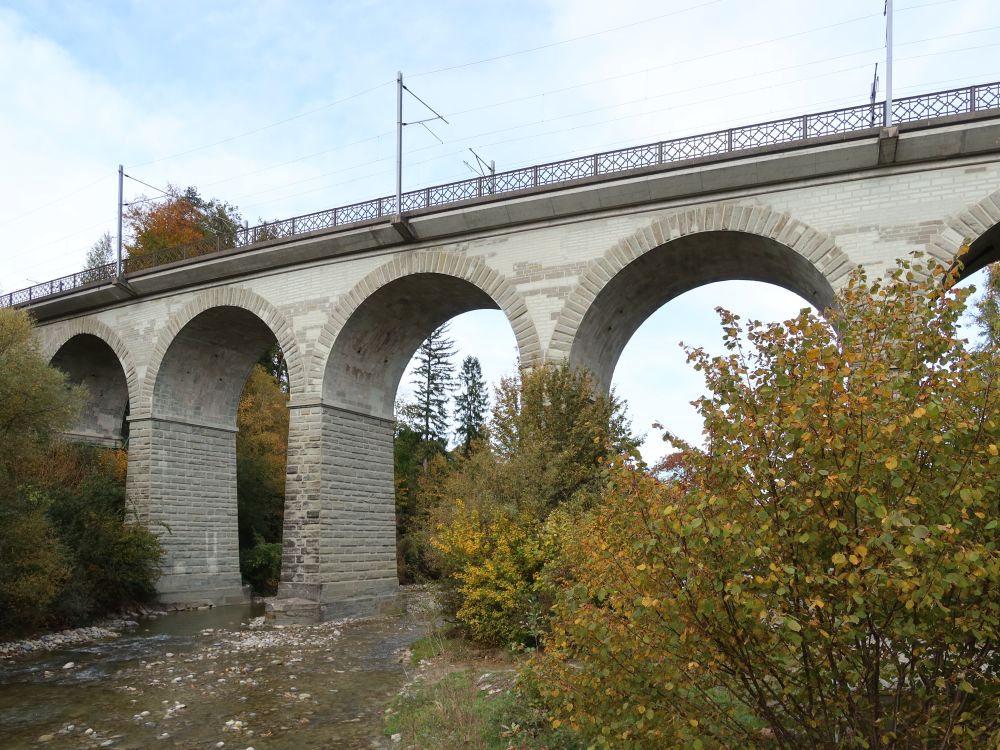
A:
(288, 107)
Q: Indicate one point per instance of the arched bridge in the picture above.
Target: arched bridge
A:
(575, 265)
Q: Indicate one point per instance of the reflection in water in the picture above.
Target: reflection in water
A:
(195, 679)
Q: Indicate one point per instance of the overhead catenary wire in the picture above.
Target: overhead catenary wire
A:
(674, 106)
(262, 128)
(577, 127)
(466, 64)
(693, 59)
(633, 24)
(376, 87)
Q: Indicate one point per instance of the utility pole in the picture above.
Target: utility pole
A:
(121, 179)
(888, 63)
(399, 134)
(399, 142)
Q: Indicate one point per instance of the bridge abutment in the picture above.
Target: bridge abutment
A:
(339, 542)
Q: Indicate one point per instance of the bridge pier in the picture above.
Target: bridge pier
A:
(182, 481)
(339, 556)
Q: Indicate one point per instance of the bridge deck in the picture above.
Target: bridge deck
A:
(856, 122)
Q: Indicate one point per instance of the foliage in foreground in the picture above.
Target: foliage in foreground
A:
(825, 573)
(35, 400)
(499, 510)
(68, 549)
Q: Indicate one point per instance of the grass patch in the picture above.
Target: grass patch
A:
(426, 648)
(473, 708)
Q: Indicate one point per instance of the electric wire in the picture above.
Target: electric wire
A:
(371, 89)
(262, 128)
(639, 72)
(285, 120)
(561, 42)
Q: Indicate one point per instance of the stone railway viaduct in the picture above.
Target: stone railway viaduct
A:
(575, 270)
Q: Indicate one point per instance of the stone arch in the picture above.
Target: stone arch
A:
(773, 247)
(980, 225)
(93, 355)
(185, 439)
(55, 337)
(455, 281)
(225, 297)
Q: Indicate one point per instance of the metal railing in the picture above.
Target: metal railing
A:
(620, 162)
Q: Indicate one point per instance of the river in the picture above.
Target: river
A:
(215, 678)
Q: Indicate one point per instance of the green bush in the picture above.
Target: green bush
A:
(34, 565)
(115, 561)
(261, 566)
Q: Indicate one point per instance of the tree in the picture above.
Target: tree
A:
(471, 403)
(181, 225)
(826, 571)
(261, 454)
(421, 435)
(101, 253)
(67, 547)
(433, 381)
(987, 312)
(35, 399)
(494, 518)
(553, 419)
(273, 360)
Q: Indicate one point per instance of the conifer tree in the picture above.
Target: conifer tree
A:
(433, 382)
(471, 402)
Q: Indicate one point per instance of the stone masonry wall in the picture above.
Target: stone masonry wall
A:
(340, 524)
(358, 554)
(192, 507)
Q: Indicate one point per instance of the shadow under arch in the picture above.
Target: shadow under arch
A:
(377, 326)
(245, 307)
(202, 373)
(88, 359)
(642, 285)
(373, 348)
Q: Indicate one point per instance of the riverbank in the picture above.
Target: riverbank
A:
(101, 629)
(462, 695)
(205, 677)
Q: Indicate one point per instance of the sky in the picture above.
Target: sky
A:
(283, 108)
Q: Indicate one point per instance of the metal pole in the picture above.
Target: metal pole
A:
(121, 176)
(399, 142)
(888, 63)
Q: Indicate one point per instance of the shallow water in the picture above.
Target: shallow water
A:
(195, 679)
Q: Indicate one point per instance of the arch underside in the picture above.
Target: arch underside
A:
(89, 361)
(374, 347)
(983, 251)
(679, 266)
(206, 366)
